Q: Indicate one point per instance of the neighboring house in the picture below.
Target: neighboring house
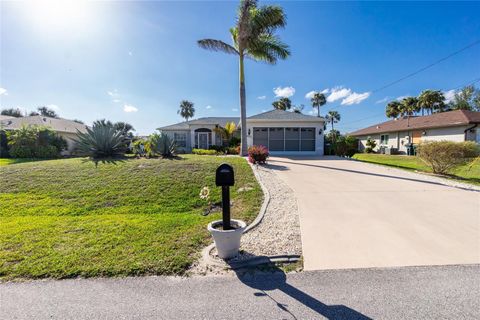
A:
(282, 132)
(458, 125)
(64, 128)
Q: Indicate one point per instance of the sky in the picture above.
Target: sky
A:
(135, 61)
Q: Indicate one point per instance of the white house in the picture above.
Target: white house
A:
(282, 132)
(458, 125)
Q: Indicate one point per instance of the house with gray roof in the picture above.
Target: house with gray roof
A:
(282, 132)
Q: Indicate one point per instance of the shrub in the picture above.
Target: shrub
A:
(3, 145)
(35, 142)
(371, 144)
(442, 156)
(139, 147)
(258, 154)
(233, 150)
(101, 141)
(345, 146)
(205, 152)
(219, 149)
(162, 145)
(234, 141)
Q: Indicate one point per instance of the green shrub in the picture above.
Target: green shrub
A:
(233, 150)
(161, 144)
(219, 149)
(35, 142)
(46, 152)
(442, 156)
(234, 141)
(140, 147)
(204, 152)
(345, 146)
(3, 144)
(371, 144)
(19, 151)
(258, 154)
(101, 141)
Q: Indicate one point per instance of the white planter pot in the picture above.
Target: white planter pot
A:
(227, 241)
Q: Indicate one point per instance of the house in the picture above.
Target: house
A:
(282, 132)
(458, 125)
(67, 129)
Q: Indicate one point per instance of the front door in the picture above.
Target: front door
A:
(203, 140)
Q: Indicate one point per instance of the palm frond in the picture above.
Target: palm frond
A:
(216, 45)
(266, 19)
(268, 48)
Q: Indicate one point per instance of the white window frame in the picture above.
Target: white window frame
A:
(384, 138)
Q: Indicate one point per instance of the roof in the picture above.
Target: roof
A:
(57, 124)
(284, 115)
(221, 121)
(436, 120)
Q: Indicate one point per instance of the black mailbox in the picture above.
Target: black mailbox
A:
(224, 176)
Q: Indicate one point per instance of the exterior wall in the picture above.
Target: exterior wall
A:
(456, 134)
(171, 135)
(319, 134)
(69, 137)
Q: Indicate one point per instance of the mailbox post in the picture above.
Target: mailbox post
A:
(224, 178)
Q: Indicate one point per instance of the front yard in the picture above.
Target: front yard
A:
(465, 172)
(67, 218)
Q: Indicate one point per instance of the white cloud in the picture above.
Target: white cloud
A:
(262, 97)
(208, 107)
(113, 93)
(285, 92)
(53, 106)
(355, 98)
(129, 108)
(234, 109)
(449, 95)
(3, 91)
(338, 93)
(325, 91)
(401, 98)
(116, 100)
(382, 100)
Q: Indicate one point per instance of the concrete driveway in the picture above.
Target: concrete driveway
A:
(359, 215)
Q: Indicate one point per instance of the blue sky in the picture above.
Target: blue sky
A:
(135, 61)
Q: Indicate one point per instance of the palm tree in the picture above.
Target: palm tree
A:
(253, 37)
(409, 106)
(333, 117)
(318, 100)
(431, 100)
(186, 110)
(46, 112)
(393, 109)
(226, 132)
(282, 104)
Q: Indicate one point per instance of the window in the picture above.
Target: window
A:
(180, 139)
(285, 138)
(384, 139)
(307, 139)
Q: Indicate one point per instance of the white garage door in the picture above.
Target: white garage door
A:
(285, 139)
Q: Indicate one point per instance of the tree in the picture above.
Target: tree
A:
(282, 104)
(33, 113)
(333, 117)
(253, 37)
(409, 106)
(46, 112)
(78, 121)
(125, 128)
(186, 110)
(12, 112)
(431, 100)
(298, 109)
(466, 99)
(226, 132)
(393, 109)
(318, 100)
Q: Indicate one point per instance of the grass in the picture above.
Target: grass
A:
(468, 173)
(7, 161)
(68, 218)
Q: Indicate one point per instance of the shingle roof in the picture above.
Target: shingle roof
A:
(57, 124)
(221, 121)
(284, 115)
(437, 120)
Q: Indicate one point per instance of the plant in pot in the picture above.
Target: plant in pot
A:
(226, 232)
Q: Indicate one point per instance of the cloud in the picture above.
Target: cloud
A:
(234, 109)
(338, 93)
(355, 98)
(285, 92)
(382, 100)
(3, 92)
(129, 108)
(208, 107)
(310, 94)
(402, 97)
(262, 97)
(113, 93)
(449, 95)
(116, 100)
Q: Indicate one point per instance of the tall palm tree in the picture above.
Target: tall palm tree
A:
(282, 104)
(318, 100)
(333, 117)
(186, 110)
(393, 109)
(253, 37)
(431, 100)
(409, 106)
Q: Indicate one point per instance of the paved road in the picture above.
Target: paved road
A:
(450, 292)
(359, 215)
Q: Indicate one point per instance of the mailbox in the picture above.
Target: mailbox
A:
(224, 176)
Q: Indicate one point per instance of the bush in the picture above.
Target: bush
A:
(101, 141)
(219, 149)
(442, 156)
(139, 147)
(371, 144)
(35, 142)
(162, 145)
(258, 154)
(233, 150)
(345, 146)
(19, 151)
(3, 145)
(234, 142)
(205, 152)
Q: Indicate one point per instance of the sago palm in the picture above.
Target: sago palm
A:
(253, 37)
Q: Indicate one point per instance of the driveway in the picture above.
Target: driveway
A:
(360, 215)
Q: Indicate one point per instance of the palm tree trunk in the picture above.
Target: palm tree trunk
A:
(243, 109)
(318, 111)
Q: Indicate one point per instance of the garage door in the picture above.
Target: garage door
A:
(285, 139)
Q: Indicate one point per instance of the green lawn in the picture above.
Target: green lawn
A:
(5, 161)
(464, 172)
(67, 218)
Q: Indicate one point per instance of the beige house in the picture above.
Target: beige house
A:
(397, 134)
(64, 128)
(282, 132)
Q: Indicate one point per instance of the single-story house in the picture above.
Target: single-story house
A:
(63, 127)
(458, 125)
(282, 132)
